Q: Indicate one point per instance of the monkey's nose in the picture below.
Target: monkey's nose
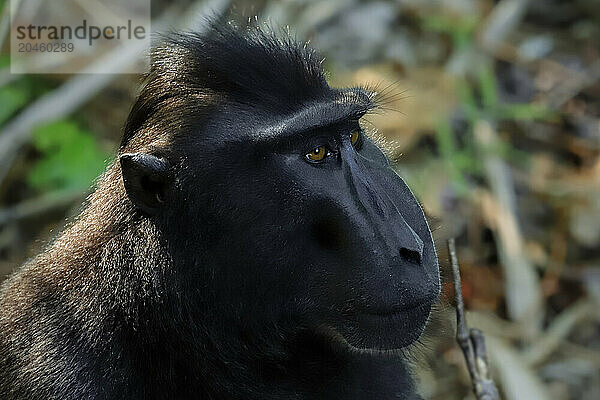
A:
(386, 220)
(382, 209)
(410, 256)
(400, 238)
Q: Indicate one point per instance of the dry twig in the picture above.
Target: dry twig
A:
(471, 341)
(524, 300)
(40, 205)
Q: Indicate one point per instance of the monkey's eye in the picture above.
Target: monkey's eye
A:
(317, 154)
(354, 137)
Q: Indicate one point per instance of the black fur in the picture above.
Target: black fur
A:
(214, 261)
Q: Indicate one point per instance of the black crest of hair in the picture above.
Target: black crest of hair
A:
(249, 242)
(251, 66)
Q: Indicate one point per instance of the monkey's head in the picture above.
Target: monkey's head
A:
(277, 209)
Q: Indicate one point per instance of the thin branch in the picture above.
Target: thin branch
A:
(557, 332)
(569, 88)
(503, 19)
(40, 205)
(462, 331)
(524, 300)
(471, 341)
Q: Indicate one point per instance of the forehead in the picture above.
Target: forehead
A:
(257, 124)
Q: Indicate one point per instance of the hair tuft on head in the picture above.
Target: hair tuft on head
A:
(192, 71)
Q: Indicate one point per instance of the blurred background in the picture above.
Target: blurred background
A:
(493, 118)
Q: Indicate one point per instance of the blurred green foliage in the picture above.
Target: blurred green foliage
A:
(13, 96)
(460, 28)
(71, 157)
(479, 100)
(20, 92)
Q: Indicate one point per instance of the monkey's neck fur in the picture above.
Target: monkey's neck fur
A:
(121, 314)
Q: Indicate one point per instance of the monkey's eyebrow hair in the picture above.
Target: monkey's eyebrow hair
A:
(315, 115)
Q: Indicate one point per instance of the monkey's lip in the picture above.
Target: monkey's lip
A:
(391, 311)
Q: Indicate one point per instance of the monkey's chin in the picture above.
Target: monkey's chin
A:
(379, 334)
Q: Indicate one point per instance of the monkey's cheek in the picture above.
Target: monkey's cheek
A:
(386, 332)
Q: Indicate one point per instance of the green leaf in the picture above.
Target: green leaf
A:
(12, 98)
(487, 86)
(4, 60)
(467, 101)
(445, 141)
(460, 28)
(71, 158)
(524, 112)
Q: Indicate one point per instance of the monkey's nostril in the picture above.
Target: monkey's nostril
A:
(411, 256)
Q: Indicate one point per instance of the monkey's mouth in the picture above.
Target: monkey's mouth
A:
(384, 329)
(381, 331)
(391, 321)
(392, 311)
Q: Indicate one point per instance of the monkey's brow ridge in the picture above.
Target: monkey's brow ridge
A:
(319, 114)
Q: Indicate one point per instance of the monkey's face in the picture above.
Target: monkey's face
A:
(310, 228)
(293, 221)
(279, 212)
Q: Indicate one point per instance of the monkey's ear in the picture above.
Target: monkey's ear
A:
(147, 179)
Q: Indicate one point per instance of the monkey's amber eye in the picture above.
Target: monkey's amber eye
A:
(354, 137)
(318, 154)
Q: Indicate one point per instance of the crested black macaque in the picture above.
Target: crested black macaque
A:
(250, 242)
